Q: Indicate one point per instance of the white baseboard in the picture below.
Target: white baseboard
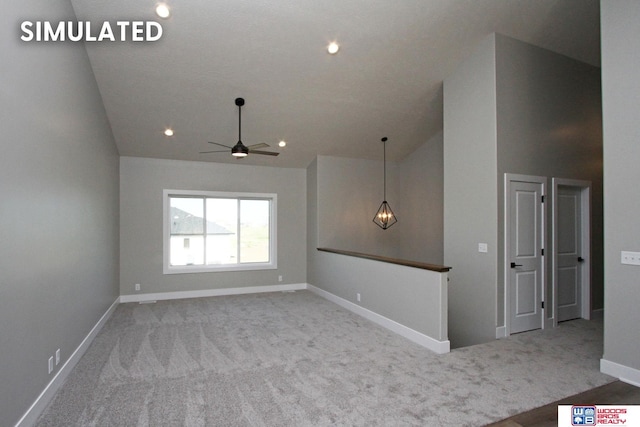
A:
(623, 373)
(211, 292)
(419, 338)
(501, 332)
(31, 416)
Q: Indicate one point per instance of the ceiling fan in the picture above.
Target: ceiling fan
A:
(240, 150)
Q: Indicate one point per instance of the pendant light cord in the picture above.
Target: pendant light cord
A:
(384, 168)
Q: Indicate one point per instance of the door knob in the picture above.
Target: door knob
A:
(514, 265)
(580, 259)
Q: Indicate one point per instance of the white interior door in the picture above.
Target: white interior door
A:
(525, 237)
(569, 251)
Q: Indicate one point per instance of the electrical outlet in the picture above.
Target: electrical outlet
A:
(137, 286)
(358, 296)
(279, 278)
(630, 258)
(483, 247)
(57, 357)
(51, 364)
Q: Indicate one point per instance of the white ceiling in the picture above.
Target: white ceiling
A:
(386, 79)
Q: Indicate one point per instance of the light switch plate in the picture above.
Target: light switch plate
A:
(483, 247)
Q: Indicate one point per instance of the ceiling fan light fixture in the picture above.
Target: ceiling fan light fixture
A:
(239, 150)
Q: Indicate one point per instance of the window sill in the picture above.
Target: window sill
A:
(218, 269)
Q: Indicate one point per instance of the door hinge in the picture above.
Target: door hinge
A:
(543, 304)
(542, 252)
(542, 199)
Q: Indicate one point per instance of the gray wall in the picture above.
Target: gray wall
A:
(59, 206)
(349, 192)
(421, 228)
(413, 297)
(141, 184)
(621, 98)
(312, 221)
(470, 196)
(342, 197)
(511, 108)
(549, 124)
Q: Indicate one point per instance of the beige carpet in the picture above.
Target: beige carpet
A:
(295, 359)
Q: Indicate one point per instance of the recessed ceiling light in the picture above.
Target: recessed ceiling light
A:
(162, 10)
(333, 48)
(282, 143)
(168, 132)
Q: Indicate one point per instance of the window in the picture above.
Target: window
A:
(216, 231)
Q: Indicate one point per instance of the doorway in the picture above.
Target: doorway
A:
(571, 278)
(524, 266)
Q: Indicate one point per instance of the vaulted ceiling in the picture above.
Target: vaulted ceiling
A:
(386, 80)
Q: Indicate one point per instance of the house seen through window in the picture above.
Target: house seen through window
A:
(208, 231)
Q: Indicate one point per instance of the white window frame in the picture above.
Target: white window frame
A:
(273, 256)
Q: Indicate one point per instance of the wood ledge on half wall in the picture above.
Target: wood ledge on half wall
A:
(407, 263)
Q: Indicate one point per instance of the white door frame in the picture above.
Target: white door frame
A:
(508, 178)
(585, 210)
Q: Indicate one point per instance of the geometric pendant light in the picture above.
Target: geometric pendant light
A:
(385, 217)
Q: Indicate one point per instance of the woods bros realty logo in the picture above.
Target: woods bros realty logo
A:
(85, 31)
(598, 415)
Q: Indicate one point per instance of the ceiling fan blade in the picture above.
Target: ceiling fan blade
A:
(265, 153)
(222, 145)
(256, 146)
(214, 151)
